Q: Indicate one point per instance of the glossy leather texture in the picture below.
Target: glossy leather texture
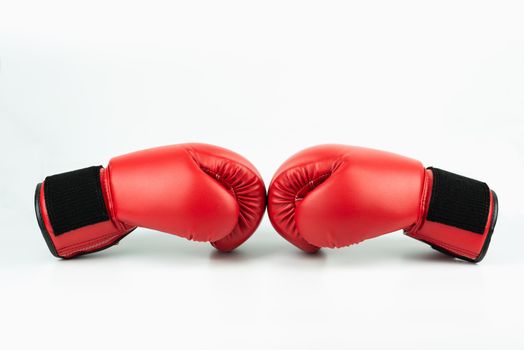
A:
(335, 195)
(196, 191)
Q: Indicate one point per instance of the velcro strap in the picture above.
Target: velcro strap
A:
(459, 201)
(75, 199)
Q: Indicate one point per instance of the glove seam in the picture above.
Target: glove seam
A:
(84, 247)
(449, 247)
(423, 205)
(108, 190)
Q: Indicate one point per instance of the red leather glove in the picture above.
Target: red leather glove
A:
(197, 191)
(334, 196)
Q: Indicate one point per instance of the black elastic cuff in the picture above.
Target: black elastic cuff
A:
(459, 201)
(485, 247)
(74, 200)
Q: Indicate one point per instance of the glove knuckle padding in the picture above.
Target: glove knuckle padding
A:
(287, 190)
(188, 190)
(243, 181)
(344, 195)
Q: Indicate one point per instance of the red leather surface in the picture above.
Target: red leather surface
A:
(197, 191)
(335, 195)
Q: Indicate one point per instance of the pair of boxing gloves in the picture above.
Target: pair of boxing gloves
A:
(325, 196)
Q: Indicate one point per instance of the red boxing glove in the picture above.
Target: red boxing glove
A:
(197, 191)
(334, 196)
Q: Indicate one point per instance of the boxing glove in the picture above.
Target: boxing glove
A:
(197, 191)
(335, 196)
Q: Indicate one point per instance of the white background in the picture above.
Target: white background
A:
(82, 82)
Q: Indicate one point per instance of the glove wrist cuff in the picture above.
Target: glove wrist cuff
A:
(460, 215)
(73, 213)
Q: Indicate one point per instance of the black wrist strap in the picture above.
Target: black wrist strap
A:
(75, 199)
(459, 201)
